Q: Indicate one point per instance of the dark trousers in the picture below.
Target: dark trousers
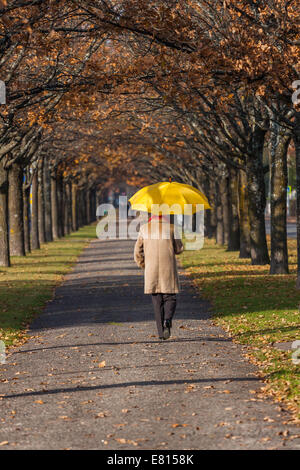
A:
(164, 309)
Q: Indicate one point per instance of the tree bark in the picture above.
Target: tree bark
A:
(47, 202)
(67, 208)
(54, 205)
(223, 188)
(296, 138)
(88, 206)
(81, 207)
(100, 197)
(69, 199)
(219, 226)
(35, 244)
(15, 209)
(243, 215)
(41, 202)
(60, 205)
(234, 225)
(279, 143)
(209, 221)
(213, 217)
(4, 238)
(26, 216)
(257, 200)
(74, 208)
(93, 205)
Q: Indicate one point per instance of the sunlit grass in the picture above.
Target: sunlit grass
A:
(256, 308)
(28, 284)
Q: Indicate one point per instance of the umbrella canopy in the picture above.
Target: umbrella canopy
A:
(171, 196)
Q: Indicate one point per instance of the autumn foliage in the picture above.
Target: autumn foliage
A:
(106, 91)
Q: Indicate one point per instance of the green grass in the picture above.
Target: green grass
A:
(28, 284)
(257, 309)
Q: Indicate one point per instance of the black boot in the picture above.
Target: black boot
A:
(167, 328)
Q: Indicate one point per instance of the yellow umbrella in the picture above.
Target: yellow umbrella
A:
(169, 198)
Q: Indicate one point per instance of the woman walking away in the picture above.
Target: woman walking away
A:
(155, 251)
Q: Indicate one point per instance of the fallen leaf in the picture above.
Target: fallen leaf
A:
(102, 414)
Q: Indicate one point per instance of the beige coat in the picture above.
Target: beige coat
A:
(154, 252)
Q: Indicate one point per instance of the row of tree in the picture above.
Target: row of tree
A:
(99, 91)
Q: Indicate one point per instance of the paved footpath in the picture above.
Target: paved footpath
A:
(95, 376)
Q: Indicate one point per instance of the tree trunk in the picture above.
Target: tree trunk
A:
(15, 204)
(35, 244)
(4, 238)
(74, 208)
(225, 208)
(47, 202)
(88, 206)
(81, 208)
(26, 216)
(243, 215)
(93, 205)
(279, 143)
(234, 225)
(67, 207)
(54, 206)
(297, 149)
(100, 197)
(213, 217)
(60, 205)
(223, 188)
(41, 202)
(69, 199)
(209, 222)
(219, 227)
(257, 200)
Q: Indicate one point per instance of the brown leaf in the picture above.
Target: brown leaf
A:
(102, 414)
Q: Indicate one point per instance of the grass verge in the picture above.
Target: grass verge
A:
(28, 284)
(256, 309)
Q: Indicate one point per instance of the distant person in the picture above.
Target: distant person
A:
(155, 251)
